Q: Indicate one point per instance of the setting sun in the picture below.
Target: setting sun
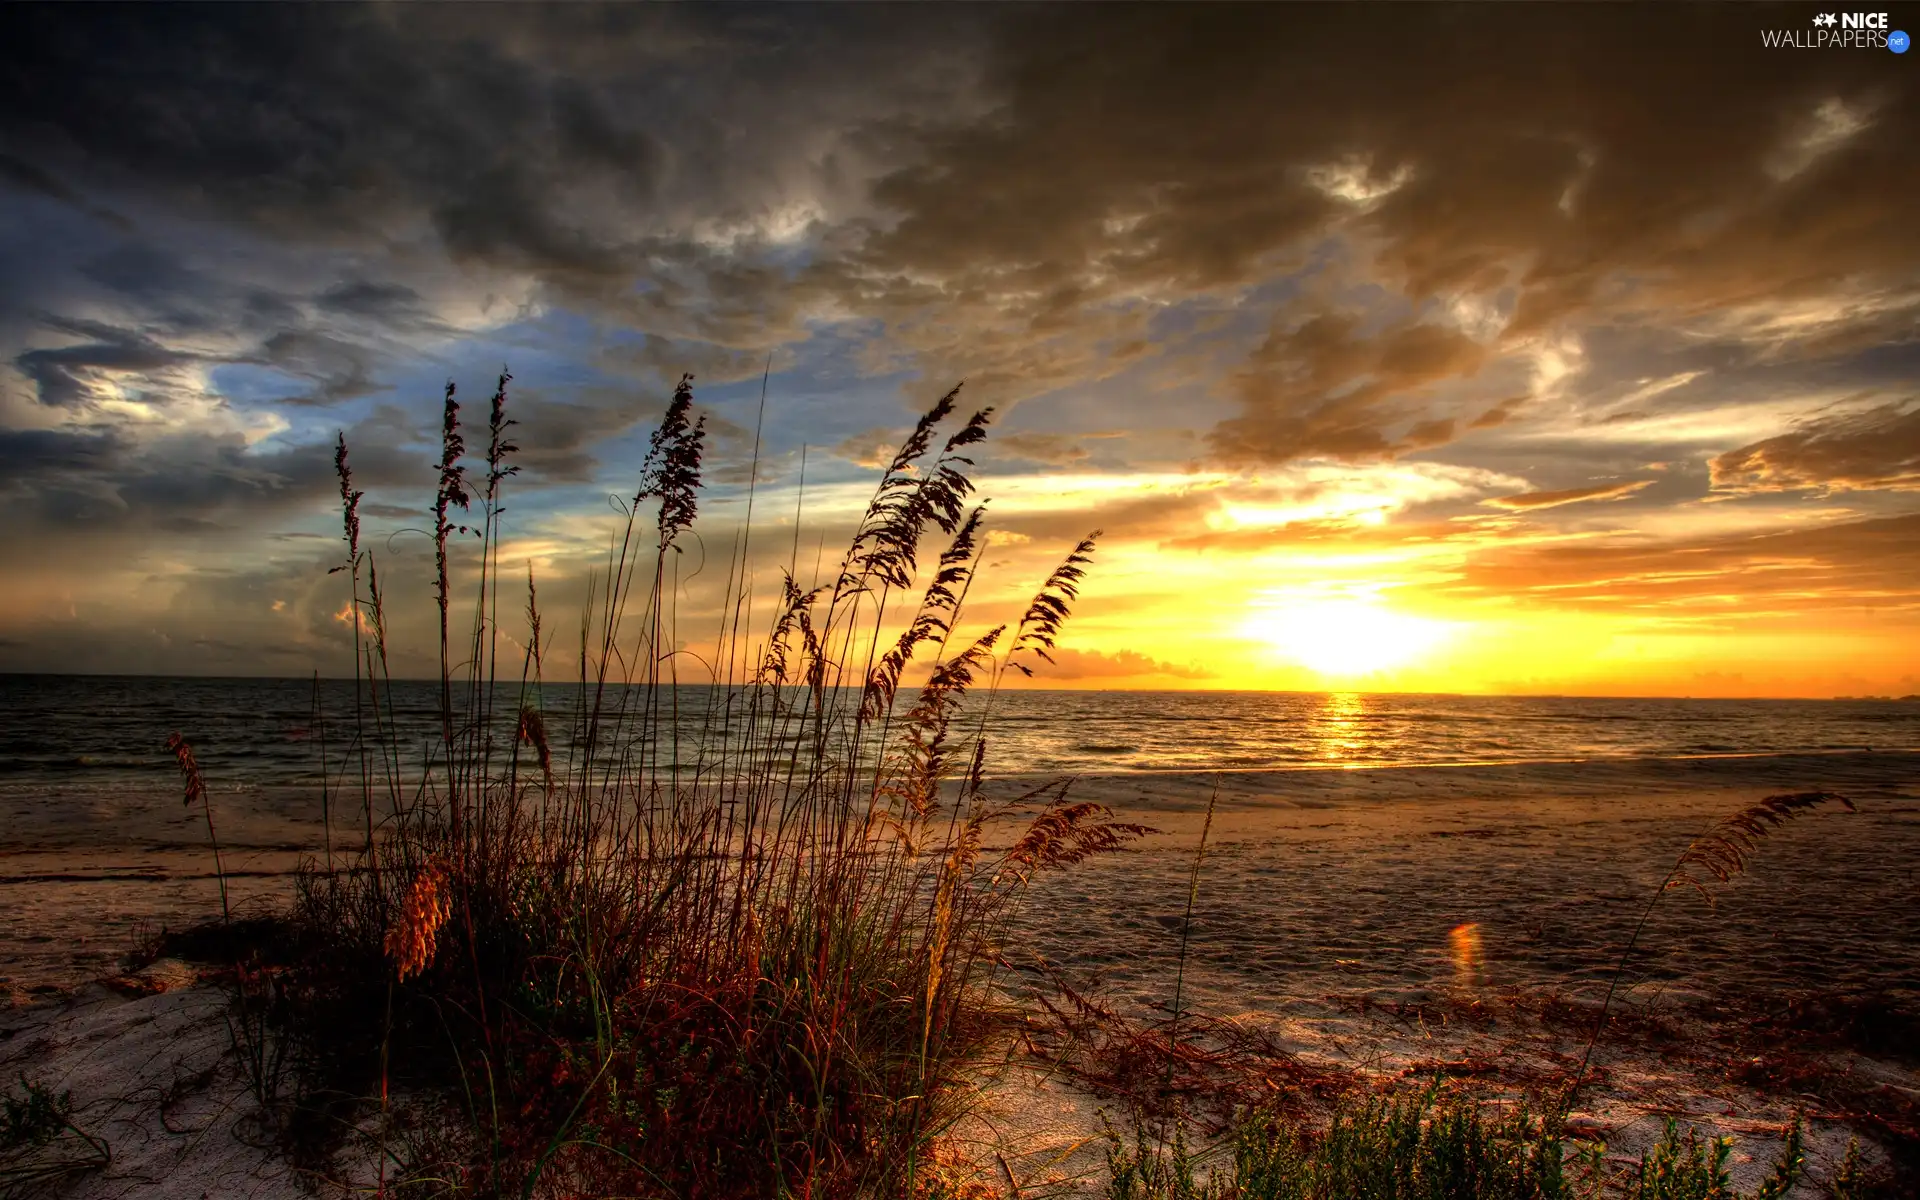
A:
(1346, 638)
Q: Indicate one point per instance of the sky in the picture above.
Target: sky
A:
(1523, 349)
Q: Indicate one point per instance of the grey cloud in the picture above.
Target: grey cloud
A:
(1053, 449)
(56, 450)
(27, 176)
(1570, 163)
(978, 190)
(339, 369)
(374, 300)
(68, 488)
(663, 360)
(557, 438)
(138, 269)
(1499, 414)
(1328, 387)
(65, 376)
(871, 448)
(178, 299)
(563, 142)
(611, 156)
(389, 512)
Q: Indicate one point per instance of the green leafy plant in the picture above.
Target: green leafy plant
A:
(39, 1142)
(1421, 1146)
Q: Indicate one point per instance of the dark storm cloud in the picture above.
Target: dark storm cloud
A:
(557, 438)
(317, 117)
(28, 177)
(339, 369)
(575, 144)
(372, 300)
(1564, 162)
(1585, 161)
(66, 488)
(664, 360)
(55, 450)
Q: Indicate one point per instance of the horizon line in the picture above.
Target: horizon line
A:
(1023, 687)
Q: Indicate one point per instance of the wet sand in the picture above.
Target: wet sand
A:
(1463, 923)
(1314, 881)
(1318, 882)
(83, 871)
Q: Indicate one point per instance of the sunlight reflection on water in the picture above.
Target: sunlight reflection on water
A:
(1339, 729)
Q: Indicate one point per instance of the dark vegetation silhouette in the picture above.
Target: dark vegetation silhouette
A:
(746, 949)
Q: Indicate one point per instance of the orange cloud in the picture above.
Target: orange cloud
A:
(1528, 501)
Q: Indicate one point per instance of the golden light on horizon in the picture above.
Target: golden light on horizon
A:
(1348, 637)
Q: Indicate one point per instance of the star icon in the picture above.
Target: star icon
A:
(1824, 19)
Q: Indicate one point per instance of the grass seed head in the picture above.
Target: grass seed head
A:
(413, 937)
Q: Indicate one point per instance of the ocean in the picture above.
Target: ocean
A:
(1354, 829)
(111, 731)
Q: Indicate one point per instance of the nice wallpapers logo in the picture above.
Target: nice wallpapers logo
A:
(1840, 31)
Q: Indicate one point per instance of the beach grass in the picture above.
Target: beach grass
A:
(1423, 1146)
(41, 1143)
(756, 961)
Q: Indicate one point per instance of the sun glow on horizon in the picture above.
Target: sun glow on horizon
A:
(1345, 638)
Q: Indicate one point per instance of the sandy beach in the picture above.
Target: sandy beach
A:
(1456, 922)
(1328, 904)
(1318, 882)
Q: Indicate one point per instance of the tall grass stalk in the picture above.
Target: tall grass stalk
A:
(194, 786)
(740, 949)
(1186, 920)
(1720, 852)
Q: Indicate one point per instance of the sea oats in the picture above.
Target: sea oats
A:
(415, 933)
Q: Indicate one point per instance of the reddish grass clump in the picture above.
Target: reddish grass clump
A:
(415, 933)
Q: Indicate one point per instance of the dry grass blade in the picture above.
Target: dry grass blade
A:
(1725, 850)
(498, 447)
(934, 619)
(533, 732)
(1722, 852)
(930, 719)
(1218, 1069)
(885, 546)
(1067, 832)
(795, 610)
(671, 471)
(183, 756)
(350, 498)
(196, 789)
(1042, 621)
